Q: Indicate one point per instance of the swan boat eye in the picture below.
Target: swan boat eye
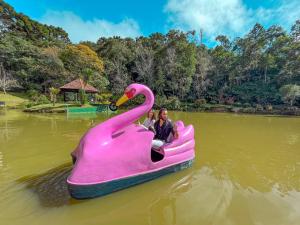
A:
(130, 93)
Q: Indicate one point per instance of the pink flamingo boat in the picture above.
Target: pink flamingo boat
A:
(117, 153)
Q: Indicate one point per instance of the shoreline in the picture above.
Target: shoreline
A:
(217, 109)
(250, 111)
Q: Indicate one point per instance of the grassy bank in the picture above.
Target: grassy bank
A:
(13, 100)
(50, 108)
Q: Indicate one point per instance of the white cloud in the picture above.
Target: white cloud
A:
(83, 30)
(229, 17)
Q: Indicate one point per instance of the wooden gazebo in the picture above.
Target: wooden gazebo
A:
(75, 85)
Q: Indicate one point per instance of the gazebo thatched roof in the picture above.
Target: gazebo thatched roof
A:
(76, 85)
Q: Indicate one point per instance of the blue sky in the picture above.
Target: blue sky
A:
(90, 19)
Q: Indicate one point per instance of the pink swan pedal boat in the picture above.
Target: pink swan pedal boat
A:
(117, 153)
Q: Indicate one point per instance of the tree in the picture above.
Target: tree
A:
(82, 97)
(177, 62)
(50, 70)
(6, 80)
(87, 75)
(118, 57)
(42, 35)
(77, 58)
(295, 31)
(53, 93)
(290, 93)
(200, 79)
(144, 65)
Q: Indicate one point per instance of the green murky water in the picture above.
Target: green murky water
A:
(247, 171)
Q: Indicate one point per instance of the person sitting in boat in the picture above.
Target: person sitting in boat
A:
(150, 120)
(165, 131)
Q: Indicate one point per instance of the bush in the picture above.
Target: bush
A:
(247, 105)
(29, 105)
(103, 98)
(160, 101)
(259, 107)
(42, 99)
(248, 110)
(33, 95)
(237, 104)
(269, 107)
(36, 98)
(199, 102)
(229, 101)
(171, 103)
(235, 109)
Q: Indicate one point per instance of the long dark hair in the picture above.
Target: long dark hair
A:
(153, 115)
(161, 111)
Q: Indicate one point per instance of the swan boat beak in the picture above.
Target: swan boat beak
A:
(122, 100)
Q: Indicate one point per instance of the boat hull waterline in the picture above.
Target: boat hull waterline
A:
(97, 190)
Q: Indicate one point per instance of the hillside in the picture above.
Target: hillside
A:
(11, 21)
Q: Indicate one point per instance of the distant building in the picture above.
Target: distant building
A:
(74, 87)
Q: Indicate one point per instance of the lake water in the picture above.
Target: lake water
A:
(246, 171)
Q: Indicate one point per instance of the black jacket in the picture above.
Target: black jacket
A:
(163, 132)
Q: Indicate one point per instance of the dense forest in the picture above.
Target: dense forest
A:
(262, 67)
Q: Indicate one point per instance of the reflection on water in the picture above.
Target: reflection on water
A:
(188, 201)
(201, 198)
(51, 186)
(247, 171)
(163, 209)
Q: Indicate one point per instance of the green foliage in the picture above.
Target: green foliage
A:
(33, 95)
(103, 98)
(36, 99)
(290, 93)
(80, 60)
(259, 107)
(83, 97)
(42, 99)
(262, 67)
(100, 82)
(53, 93)
(171, 103)
(199, 102)
(23, 26)
(248, 110)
